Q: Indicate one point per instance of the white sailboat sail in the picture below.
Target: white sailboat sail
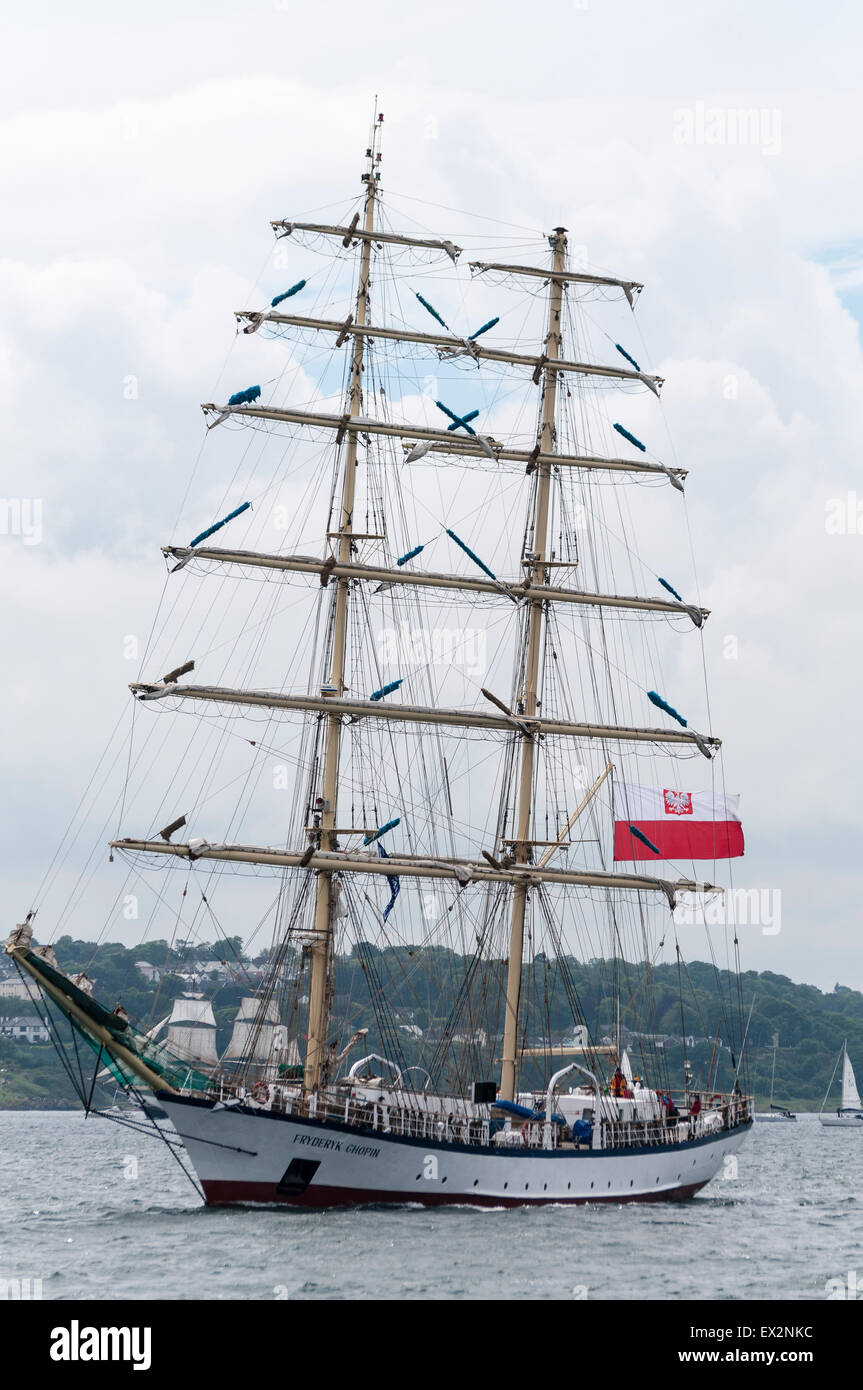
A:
(850, 1094)
(849, 1114)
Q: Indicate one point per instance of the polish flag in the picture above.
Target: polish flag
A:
(681, 825)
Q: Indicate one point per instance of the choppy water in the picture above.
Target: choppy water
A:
(93, 1209)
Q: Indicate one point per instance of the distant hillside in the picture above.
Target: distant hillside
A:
(811, 1024)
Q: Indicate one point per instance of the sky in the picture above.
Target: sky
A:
(144, 151)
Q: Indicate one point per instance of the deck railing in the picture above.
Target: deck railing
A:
(719, 1112)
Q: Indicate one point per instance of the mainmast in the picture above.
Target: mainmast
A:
(538, 575)
(323, 927)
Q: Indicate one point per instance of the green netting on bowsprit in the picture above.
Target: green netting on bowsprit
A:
(176, 1073)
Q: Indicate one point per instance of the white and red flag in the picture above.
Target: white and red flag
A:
(677, 824)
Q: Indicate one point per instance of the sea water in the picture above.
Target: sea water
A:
(92, 1209)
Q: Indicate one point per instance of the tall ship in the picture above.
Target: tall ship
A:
(442, 624)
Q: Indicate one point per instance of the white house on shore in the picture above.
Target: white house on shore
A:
(29, 1030)
(13, 989)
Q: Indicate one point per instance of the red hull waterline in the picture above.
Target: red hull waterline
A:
(222, 1194)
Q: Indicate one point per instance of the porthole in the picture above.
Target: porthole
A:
(631, 1182)
(476, 1182)
(443, 1179)
(569, 1185)
(526, 1186)
(505, 1186)
(545, 1187)
(419, 1175)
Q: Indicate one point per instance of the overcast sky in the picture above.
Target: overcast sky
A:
(144, 150)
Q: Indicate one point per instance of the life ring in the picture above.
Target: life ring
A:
(261, 1093)
(715, 1101)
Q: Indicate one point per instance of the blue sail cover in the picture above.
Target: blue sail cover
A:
(631, 437)
(288, 294)
(217, 526)
(382, 830)
(639, 835)
(524, 1112)
(663, 704)
(433, 311)
(463, 419)
(403, 559)
(467, 550)
(665, 584)
(458, 419)
(246, 397)
(625, 354)
(386, 689)
(393, 881)
(511, 1107)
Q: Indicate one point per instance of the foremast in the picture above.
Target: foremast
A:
(538, 576)
(321, 950)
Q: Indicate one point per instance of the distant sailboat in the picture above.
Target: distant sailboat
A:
(776, 1112)
(849, 1113)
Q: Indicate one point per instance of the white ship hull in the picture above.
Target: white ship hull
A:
(246, 1156)
(852, 1119)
